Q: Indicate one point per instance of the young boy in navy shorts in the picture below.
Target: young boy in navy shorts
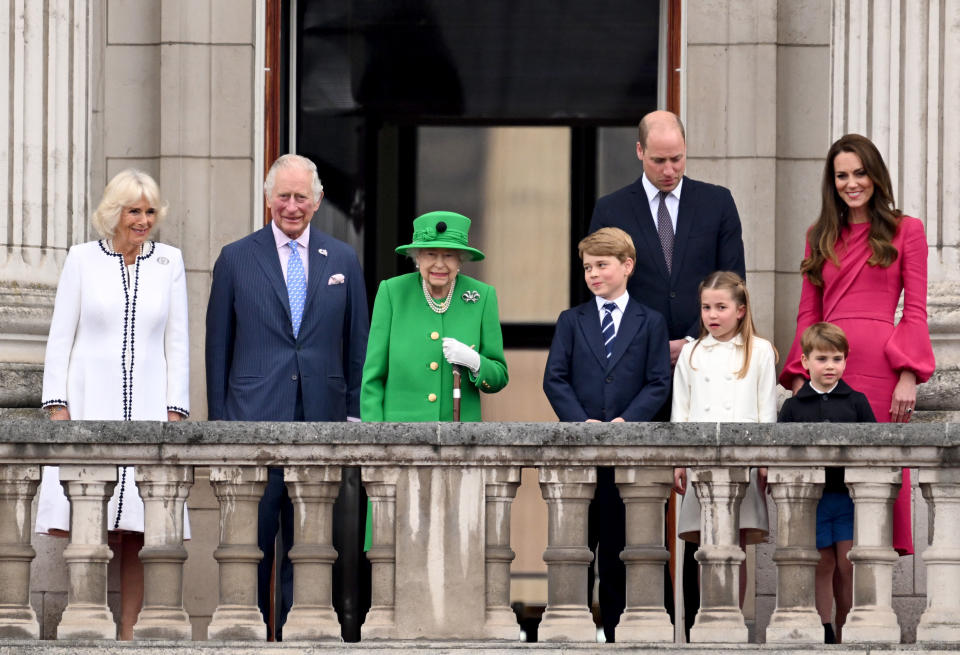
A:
(825, 397)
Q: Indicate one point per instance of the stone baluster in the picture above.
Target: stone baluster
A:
(164, 490)
(18, 485)
(720, 491)
(313, 490)
(380, 483)
(238, 489)
(872, 618)
(644, 492)
(501, 488)
(568, 492)
(796, 492)
(940, 622)
(87, 555)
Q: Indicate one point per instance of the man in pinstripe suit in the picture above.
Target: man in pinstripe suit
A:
(287, 326)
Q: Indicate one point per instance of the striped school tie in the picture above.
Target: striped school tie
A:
(606, 326)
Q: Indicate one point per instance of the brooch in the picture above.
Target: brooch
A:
(163, 261)
(471, 296)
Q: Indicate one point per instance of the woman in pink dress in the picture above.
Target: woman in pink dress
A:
(861, 254)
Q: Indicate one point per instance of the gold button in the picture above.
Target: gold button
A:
(434, 335)
(434, 366)
(432, 397)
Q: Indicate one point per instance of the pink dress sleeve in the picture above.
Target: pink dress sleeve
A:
(909, 347)
(810, 312)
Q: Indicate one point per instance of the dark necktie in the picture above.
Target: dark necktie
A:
(665, 230)
(606, 326)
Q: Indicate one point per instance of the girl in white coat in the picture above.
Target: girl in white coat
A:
(727, 375)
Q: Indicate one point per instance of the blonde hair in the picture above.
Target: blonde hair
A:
(730, 281)
(826, 337)
(608, 242)
(125, 189)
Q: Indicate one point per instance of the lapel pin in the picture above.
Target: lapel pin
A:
(322, 251)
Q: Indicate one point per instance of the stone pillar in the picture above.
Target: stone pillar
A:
(940, 622)
(87, 615)
(568, 492)
(43, 121)
(164, 490)
(720, 491)
(872, 618)
(501, 488)
(380, 483)
(313, 490)
(644, 492)
(18, 485)
(796, 492)
(239, 489)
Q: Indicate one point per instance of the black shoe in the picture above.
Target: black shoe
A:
(828, 636)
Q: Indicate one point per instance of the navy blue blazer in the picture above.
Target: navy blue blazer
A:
(581, 383)
(254, 363)
(708, 239)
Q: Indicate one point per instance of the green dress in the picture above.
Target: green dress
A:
(405, 376)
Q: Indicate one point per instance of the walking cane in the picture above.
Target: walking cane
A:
(456, 393)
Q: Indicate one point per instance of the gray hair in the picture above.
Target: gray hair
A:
(125, 189)
(413, 253)
(293, 161)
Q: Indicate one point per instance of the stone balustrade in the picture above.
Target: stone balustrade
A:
(441, 497)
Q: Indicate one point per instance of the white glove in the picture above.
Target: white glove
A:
(460, 354)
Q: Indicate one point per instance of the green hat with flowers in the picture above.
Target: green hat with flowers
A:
(441, 230)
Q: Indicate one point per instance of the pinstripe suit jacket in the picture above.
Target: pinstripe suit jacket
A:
(255, 364)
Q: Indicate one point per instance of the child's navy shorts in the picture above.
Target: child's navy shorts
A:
(834, 519)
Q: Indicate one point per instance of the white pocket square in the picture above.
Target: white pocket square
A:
(336, 278)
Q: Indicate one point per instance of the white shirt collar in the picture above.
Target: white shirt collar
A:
(282, 239)
(621, 302)
(709, 342)
(652, 191)
(824, 393)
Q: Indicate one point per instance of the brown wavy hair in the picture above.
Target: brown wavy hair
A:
(738, 292)
(881, 209)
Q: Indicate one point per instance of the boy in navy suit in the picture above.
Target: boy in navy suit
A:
(609, 361)
(825, 397)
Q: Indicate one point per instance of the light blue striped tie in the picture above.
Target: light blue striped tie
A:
(296, 287)
(606, 326)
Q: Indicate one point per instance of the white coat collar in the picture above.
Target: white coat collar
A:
(709, 342)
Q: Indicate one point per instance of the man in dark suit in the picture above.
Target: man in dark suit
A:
(287, 326)
(683, 230)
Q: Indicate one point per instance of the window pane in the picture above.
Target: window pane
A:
(514, 183)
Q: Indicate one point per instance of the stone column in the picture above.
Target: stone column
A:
(381, 485)
(313, 490)
(940, 622)
(18, 485)
(644, 492)
(568, 492)
(796, 492)
(501, 488)
(43, 121)
(87, 615)
(872, 618)
(239, 489)
(164, 490)
(720, 491)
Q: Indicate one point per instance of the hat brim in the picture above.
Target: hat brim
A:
(475, 255)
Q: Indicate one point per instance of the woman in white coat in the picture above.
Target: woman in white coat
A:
(117, 350)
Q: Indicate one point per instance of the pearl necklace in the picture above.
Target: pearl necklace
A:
(442, 307)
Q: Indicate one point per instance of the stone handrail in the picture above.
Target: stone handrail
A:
(441, 496)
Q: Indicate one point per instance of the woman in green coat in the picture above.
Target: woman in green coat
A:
(426, 322)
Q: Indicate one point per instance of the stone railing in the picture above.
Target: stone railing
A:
(441, 497)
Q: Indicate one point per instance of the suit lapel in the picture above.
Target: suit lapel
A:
(686, 217)
(316, 276)
(644, 219)
(589, 320)
(267, 258)
(629, 324)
